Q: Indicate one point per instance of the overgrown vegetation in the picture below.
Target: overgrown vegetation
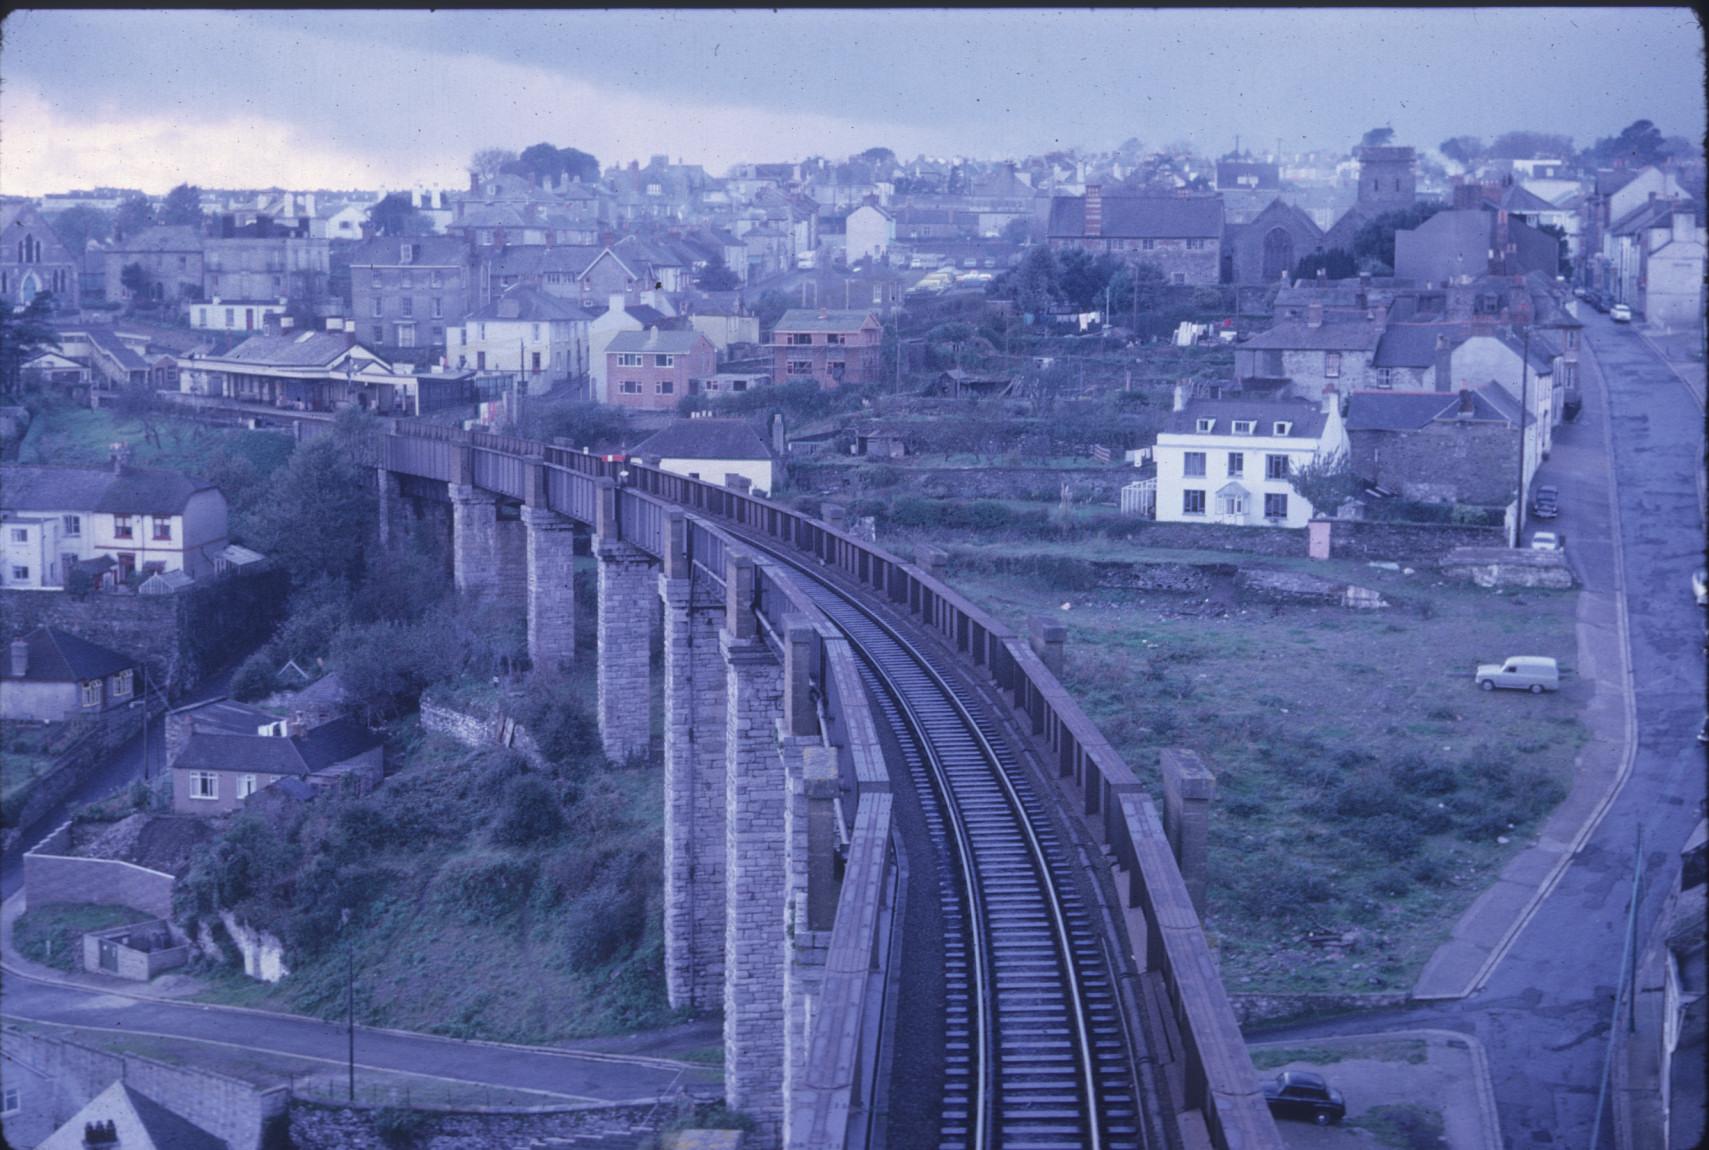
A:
(52, 934)
(1404, 1125)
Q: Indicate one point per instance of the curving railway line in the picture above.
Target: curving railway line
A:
(1038, 1055)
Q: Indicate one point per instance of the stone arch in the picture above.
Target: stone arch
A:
(1278, 254)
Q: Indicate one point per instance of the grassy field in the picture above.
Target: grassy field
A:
(26, 752)
(67, 435)
(53, 934)
(1366, 790)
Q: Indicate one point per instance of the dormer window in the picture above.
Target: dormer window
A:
(1245, 426)
(406, 253)
(1282, 427)
(1204, 426)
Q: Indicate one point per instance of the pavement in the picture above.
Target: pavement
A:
(1435, 1070)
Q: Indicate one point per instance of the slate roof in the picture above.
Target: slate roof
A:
(138, 491)
(326, 746)
(117, 348)
(1416, 410)
(704, 439)
(1408, 345)
(530, 305)
(1331, 335)
(335, 742)
(833, 319)
(537, 259)
(430, 251)
(57, 656)
(1515, 198)
(139, 1123)
(1651, 214)
(171, 238)
(302, 349)
(1306, 417)
(1141, 217)
(225, 716)
(655, 340)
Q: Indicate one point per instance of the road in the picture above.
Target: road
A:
(585, 1075)
(1544, 1013)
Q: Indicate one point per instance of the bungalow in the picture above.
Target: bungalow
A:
(52, 676)
(215, 772)
(142, 519)
(1181, 234)
(1232, 460)
(1440, 447)
(711, 449)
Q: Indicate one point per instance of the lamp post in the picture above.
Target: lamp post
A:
(349, 1003)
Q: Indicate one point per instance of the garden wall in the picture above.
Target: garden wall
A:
(323, 1126)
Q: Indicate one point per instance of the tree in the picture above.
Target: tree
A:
(23, 336)
(1465, 151)
(489, 162)
(1523, 145)
(1377, 138)
(134, 213)
(76, 226)
(1084, 277)
(1037, 284)
(881, 156)
(397, 215)
(183, 206)
(1326, 483)
(1375, 241)
(1018, 230)
(1137, 287)
(1638, 145)
(323, 513)
(544, 163)
(1337, 264)
(717, 276)
(769, 308)
(134, 279)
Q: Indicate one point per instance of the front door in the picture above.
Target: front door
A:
(109, 955)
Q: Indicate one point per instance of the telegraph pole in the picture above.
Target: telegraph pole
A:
(1524, 406)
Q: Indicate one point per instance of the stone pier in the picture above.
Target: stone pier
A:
(551, 589)
(627, 603)
(695, 719)
(756, 862)
(510, 556)
(474, 538)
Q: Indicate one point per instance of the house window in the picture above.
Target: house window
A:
(1205, 426)
(122, 527)
(379, 333)
(534, 331)
(800, 367)
(628, 359)
(122, 685)
(631, 387)
(162, 528)
(231, 316)
(536, 361)
(10, 1102)
(245, 786)
(20, 573)
(1245, 426)
(1195, 244)
(74, 524)
(664, 361)
(278, 283)
(800, 338)
(406, 335)
(1236, 463)
(92, 693)
(1275, 467)
(20, 535)
(1147, 245)
(836, 338)
(1275, 506)
(1194, 463)
(1385, 377)
(666, 387)
(379, 309)
(1332, 365)
(435, 280)
(1192, 502)
(204, 785)
(407, 303)
(1281, 427)
(438, 308)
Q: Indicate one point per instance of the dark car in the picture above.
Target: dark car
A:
(1306, 1096)
(1546, 503)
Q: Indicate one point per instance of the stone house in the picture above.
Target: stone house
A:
(215, 773)
(1524, 369)
(555, 270)
(1266, 250)
(141, 519)
(1454, 244)
(1315, 354)
(33, 259)
(1230, 460)
(405, 292)
(829, 345)
(172, 261)
(1182, 234)
(268, 266)
(711, 449)
(543, 338)
(652, 370)
(53, 676)
(1447, 447)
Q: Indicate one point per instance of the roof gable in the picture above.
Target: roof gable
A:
(704, 439)
(57, 656)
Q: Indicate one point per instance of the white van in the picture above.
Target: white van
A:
(1534, 673)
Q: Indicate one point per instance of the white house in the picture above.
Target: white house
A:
(1671, 288)
(124, 519)
(543, 337)
(870, 230)
(711, 449)
(235, 315)
(1230, 460)
(339, 221)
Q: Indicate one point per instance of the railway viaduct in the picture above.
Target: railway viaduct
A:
(780, 857)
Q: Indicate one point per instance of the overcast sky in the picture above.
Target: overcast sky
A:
(386, 98)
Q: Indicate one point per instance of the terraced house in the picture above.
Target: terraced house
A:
(1182, 234)
(404, 293)
(829, 345)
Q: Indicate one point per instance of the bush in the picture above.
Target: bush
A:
(400, 1128)
(606, 921)
(531, 813)
(1417, 775)
(485, 887)
(1391, 881)
(1393, 836)
(255, 676)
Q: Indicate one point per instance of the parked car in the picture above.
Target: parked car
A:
(1620, 313)
(1700, 586)
(1549, 541)
(1304, 1095)
(1534, 673)
(1545, 502)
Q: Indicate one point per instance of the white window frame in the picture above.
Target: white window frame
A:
(1204, 426)
(90, 692)
(1332, 365)
(11, 1101)
(1237, 465)
(73, 526)
(1245, 426)
(205, 785)
(245, 786)
(1231, 505)
(1283, 496)
(1282, 427)
(20, 573)
(1186, 494)
(1270, 466)
(628, 359)
(122, 685)
(20, 535)
(631, 387)
(1194, 464)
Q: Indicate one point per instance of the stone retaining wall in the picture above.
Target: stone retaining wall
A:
(51, 875)
(324, 1126)
(1255, 1011)
(478, 731)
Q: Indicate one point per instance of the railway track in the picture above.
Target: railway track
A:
(1037, 1052)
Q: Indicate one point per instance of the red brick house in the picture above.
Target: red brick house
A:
(834, 347)
(651, 370)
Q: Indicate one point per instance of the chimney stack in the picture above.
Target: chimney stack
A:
(1094, 225)
(349, 333)
(20, 658)
(1444, 363)
(121, 457)
(1314, 313)
(1467, 408)
(1180, 397)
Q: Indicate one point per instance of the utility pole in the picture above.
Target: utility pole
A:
(1524, 405)
(145, 722)
(350, 1015)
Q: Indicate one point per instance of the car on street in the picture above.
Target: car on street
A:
(1545, 502)
(1534, 673)
(1620, 313)
(1306, 1096)
(1700, 586)
(1549, 541)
